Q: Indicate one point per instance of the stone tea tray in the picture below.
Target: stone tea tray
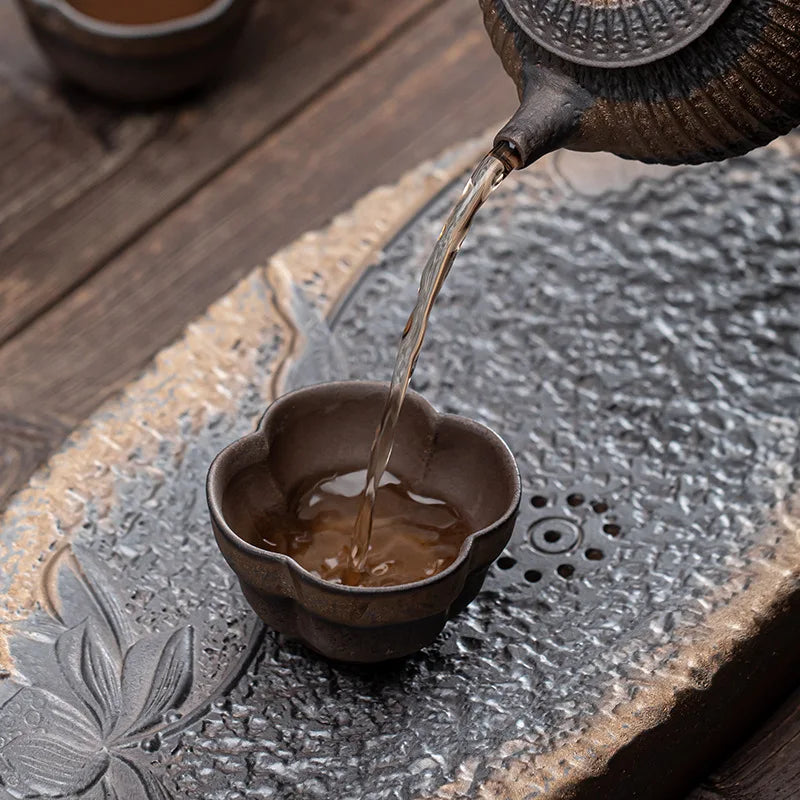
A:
(633, 333)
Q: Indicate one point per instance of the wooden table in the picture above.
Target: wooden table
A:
(118, 226)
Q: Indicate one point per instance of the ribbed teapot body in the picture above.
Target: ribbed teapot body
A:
(733, 88)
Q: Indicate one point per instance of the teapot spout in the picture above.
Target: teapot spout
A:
(549, 114)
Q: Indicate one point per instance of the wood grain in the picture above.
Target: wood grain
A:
(767, 767)
(80, 179)
(435, 85)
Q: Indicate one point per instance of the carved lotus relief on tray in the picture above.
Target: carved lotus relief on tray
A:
(94, 695)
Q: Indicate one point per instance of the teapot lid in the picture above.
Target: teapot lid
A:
(614, 33)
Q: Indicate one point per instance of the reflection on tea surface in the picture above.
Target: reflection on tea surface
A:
(413, 536)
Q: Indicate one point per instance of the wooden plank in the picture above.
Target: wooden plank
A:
(54, 141)
(766, 767)
(20, 61)
(434, 86)
(87, 178)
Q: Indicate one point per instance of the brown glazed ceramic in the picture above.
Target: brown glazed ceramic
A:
(665, 81)
(136, 63)
(329, 428)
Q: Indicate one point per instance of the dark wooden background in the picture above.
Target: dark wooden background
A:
(118, 226)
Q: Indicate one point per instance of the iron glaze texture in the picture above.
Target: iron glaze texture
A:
(638, 350)
(631, 78)
(614, 34)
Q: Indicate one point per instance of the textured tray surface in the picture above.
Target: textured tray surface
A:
(638, 350)
(640, 355)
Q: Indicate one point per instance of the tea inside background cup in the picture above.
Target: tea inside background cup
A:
(139, 12)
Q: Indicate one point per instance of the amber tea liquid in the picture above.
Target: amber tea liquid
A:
(139, 12)
(413, 536)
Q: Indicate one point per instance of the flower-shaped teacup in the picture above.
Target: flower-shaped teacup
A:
(328, 429)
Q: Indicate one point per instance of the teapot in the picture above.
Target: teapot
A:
(661, 81)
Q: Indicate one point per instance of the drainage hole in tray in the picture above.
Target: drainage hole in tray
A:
(565, 570)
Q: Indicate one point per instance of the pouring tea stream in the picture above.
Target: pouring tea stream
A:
(491, 170)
